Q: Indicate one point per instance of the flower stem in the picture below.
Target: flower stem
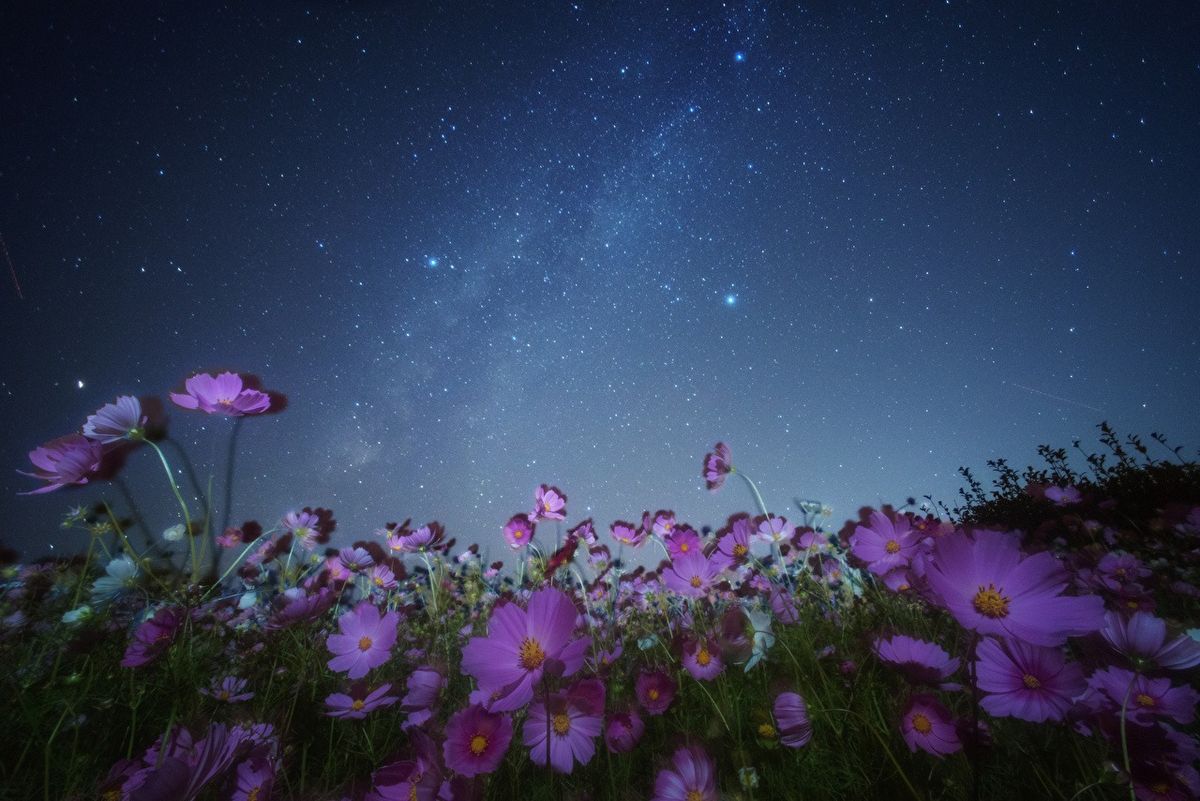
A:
(187, 518)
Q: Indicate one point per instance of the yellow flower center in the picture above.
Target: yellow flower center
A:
(892, 546)
(1031, 681)
(991, 602)
(696, 582)
(223, 695)
(379, 581)
(652, 695)
(766, 731)
(695, 795)
(1160, 788)
(357, 705)
(683, 547)
(364, 643)
(518, 533)
(562, 724)
(1144, 700)
(253, 794)
(921, 724)
(479, 744)
(532, 655)
(703, 657)
(739, 550)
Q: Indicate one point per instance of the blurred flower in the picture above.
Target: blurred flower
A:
(222, 394)
(476, 740)
(1143, 636)
(425, 684)
(255, 777)
(77, 615)
(122, 576)
(1063, 496)
(365, 642)
(356, 560)
(518, 532)
(921, 662)
(655, 690)
(716, 466)
(73, 459)
(623, 731)
(154, 636)
(304, 526)
(791, 718)
(692, 778)
(1143, 698)
(122, 419)
(763, 638)
(230, 690)
(174, 533)
(627, 533)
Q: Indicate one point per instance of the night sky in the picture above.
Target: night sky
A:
(486, 246)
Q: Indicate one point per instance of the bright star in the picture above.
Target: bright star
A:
(432, 262)
(739, 56)
(79, 383)
(730, 299)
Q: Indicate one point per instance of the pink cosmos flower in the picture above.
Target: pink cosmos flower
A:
(518, 532)
(921, 662)
(365, 642)
(628, 533)
(989, 586)
(702, 658)
(692, 777)
(1063, 496)
(735, 543)
(1143, 698)
(681, 540)
(382, 578)
(791, 717)
(885, 546)
(73, 459)
(623, 731)
(154, 636)
(359, 702)
(692, 573)
(716, 466)
(1026, 682)
(304, 526)
(222, 394)
(927, 725)
(230, 689)
(775, 530)
(655, 691)
(521, 644)
(476, 740)
(563, 728)
(425, 684)
(661, 524)
(548, 504)
(1144, 636)
(122, 419)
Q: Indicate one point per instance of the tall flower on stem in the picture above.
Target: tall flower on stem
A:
(717, 465)
(122, 419)
(73, 459)
(225, 394)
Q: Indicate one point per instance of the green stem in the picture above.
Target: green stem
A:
(762, 507)
(187, 517)
(229, 570)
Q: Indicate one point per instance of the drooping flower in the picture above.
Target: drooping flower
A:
(426, 538)
(365, 641)
(521, 644)
(692, 777)
(655, 690)
(225, 394)
(154, 636)
(885, 545)
(716, 466)
(702, 658)
(121, 419)
(73, 459)
(791, 719)
(1027, 682)
(623, 731)
(359, 702)
(692, 573)
(476, 740)
(628, 533)
(927, 725)
(921, 662)
(518, 532)
(548, 504)
(416, 779)
(989, 586)
(563, 727)
(230, 689)
(1144, 636)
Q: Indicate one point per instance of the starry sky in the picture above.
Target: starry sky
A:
(484, 246)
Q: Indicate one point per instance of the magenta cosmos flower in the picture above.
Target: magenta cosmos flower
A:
(927, 725)
(1144, 636)
(885, 545)
(628, 533)
(122, 419)
(425, 685)
(570, 721)
(365, 642)
(1063, 496)
(989, 586)
(222, 394)
(518, 532)
(476, 740)
(691, 777)
(548, 504)
(655, 691)
(1143, 698)
(154, 636)
(692, 573)
(791, 716)
(521, 644)
(623, 731)
(921, 662)
(1026, 682)
(716, 466)
(702, 658)
(72, 459)
(360, 702)
(775, 530)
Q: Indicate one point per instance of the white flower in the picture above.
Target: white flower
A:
(122, 575)
(174, 533)
(764, 638)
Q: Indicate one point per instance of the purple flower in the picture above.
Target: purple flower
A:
(382, 578)
(563, 728)
(681, 540)
(1026, 682)
(692, 778)
(885, 546)
(776, 530)
(230, 689)
(418, 778)
(518, 532)
(702, 658)
(628, 533)
(304, 526)
(1143, 698)
(791, 716)
(735, 543)
(921, 662)
(122, 419)
(359, 702)
(692, 573)
(521, 644)
(180, 769)
(548, 504)
(365, 642)
(655, 691)
(223, 394)
(927, 725)
(989, 586)
(716, 466)
(1063, 496)
(356, 560)
(73, 459)
(426, 538)
(255, 777)
(425, 684)
(297, 606)
(623, 731)
(476, 740)
(1143, 636)
(154, 636)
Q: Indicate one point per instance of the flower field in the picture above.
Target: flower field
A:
(1038, 641)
